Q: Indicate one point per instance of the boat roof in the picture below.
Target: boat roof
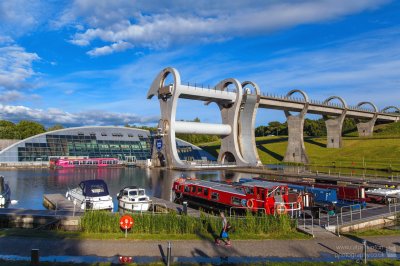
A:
(132, 187)
(263, 184)
(216, 186)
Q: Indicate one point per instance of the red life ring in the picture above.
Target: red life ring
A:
(281, 209)
(250, 203)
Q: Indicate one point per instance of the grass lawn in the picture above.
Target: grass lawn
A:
(376, 232)
(381, 153)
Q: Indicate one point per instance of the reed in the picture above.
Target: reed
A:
(172, 223)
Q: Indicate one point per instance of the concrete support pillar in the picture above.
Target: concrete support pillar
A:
(334, 126)
(334, 132)
(247, 117)
(366, 129)
(230, 151)
(296, 151)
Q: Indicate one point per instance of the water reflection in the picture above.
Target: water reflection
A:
(29, 185)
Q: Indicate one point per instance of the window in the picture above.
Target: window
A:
(249, 190)
(199, 189)
(206, 191)
(214, 196)
(187, 189)
(130, 135)
(193, 190)
(236, 201)
(103, 134)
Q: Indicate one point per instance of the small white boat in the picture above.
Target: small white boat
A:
(91, 195)
(133, 199)
(5, 192)
(386, 192)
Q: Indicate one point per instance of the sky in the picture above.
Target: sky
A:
(91, 62)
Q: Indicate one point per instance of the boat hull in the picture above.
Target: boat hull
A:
(134, 206)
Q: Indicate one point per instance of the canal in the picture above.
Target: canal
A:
(29, 185)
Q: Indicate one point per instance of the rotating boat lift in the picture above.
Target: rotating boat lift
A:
(238, 112)
(229, 104)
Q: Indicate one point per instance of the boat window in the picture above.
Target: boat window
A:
(125, 193)
(206, 191)
(76, 162)
(248, 190)
(141, 192)
(236, 201)
(133, 193)
(193, 190)
(96, 189)
(142, 199)
(187, 189)
(199, 189)
(214, 196)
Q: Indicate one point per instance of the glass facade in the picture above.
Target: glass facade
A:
(93, 142)
(81, 145)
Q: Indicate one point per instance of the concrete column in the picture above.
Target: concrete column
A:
(334, 126)
(230, 151)
(248, 111)
(366, 129)
(296, 151)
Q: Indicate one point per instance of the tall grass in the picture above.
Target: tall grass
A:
(172, 223)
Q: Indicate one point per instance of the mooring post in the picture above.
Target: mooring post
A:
(184, 204)
(34, 257)
(365, 251)
(338, 226)
(169, 254)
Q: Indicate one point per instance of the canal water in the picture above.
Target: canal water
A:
(29, 185)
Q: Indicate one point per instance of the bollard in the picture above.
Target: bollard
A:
(337, 225)
(184, 204)
(169, 254)
(365, 251)
(34, 257)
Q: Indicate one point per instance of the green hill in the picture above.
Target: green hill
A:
(380, 152)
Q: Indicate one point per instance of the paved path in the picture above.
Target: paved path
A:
(336, 247)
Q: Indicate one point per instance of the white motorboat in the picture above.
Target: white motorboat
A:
(134, 199)
(91, 195)
(5, 192)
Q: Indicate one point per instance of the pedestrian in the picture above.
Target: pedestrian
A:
(224, 232)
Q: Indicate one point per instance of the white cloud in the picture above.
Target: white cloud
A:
(158, 24)
(20, 16)
(53, 116)
(16, 67)
(109, 49)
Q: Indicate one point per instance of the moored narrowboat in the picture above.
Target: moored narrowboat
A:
(255, 196)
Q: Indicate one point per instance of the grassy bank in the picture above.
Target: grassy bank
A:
(377, 153)
(173, 226)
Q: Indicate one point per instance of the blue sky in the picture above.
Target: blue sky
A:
(91, 62)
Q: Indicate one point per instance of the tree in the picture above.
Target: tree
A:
(26, 129)
(55, 127)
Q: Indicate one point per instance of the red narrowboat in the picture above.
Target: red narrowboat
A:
(256, 196)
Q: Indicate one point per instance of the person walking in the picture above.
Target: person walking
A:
(224, 232)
